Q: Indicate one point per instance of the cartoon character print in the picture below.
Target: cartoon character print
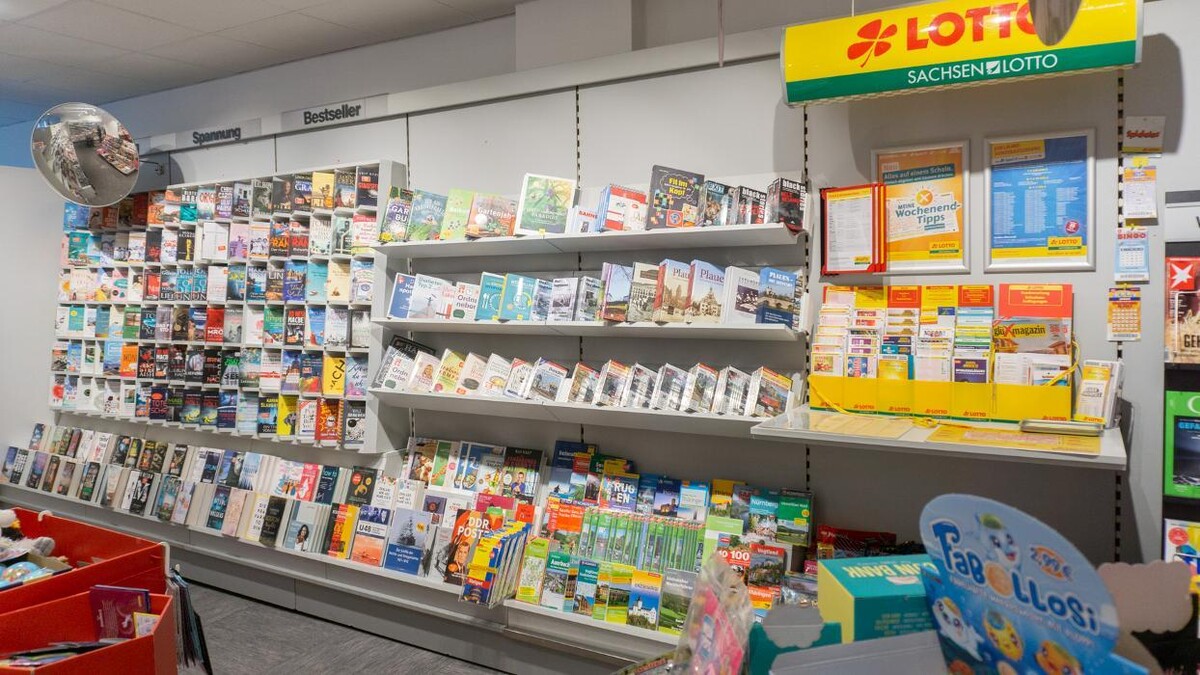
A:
(1003, 635)
(998, 542)
(1055, 660)
(954, 627)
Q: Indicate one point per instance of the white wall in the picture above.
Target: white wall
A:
(29, 261)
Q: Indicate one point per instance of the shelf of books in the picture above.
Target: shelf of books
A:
(241, 307)
(980, 440)
(605, 329)
(619, 640)
(707, 424)
(742, 235)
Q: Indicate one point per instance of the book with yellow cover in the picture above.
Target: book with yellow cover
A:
(448, 372)
(286, 425)
(333, 375)
(322, 190)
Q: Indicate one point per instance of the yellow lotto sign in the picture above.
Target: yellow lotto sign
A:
(949, 43)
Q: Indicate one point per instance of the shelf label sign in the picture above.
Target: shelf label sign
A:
(331, 114)
(225, 133)
(947, 44)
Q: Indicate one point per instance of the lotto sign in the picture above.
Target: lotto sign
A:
(949, 43)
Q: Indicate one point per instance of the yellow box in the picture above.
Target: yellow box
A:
(931, 399)
(895, 396)
(1016, 402)
(825, 391)
(860, 394)
(971, 400)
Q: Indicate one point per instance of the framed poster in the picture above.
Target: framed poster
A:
(926, 205)
(1181, 441)
(1039, 202)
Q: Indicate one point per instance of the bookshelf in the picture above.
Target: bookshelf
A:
(764, 332)
(120, 371)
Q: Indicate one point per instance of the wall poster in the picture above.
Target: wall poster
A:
(926, 205)
(1039, 192)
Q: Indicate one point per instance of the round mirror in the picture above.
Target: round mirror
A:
(1053, 18)
(85, 154)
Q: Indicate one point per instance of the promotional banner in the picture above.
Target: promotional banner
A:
(949, 43)
(926, 207)
(1011, 595)
(1039, 192)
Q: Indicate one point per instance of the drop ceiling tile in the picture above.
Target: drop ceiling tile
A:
(86, 85)
(101, 23)
(12, 10)
(295, 33)
(390, 18)
(18, 68)
(35, 43)
(209, 16)
(483, 9)
(215, 51)
(163, 72)
(293, 5)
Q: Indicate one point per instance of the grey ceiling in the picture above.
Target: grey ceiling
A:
(103, 50)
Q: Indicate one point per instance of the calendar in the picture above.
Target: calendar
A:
(1124, 314)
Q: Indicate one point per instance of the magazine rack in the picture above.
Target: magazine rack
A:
(68, 619)
(97, 556)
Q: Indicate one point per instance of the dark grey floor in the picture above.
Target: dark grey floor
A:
(245, 636)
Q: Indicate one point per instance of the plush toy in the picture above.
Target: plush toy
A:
(13, 539)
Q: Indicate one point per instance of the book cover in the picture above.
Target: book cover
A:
(367, 194)
(428, 212)
(408, 539)
(370, 536)
(491, 216)
(323, 187)
(516, 303)
(345, 189)
(706, 292)
(674, 198)
(617, 283)
(544, 205)
(717, 205)
(671, 291)
(776, 296)
(458, 211)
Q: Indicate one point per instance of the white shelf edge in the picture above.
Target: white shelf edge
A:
(705, 424)
(769, 234)
(585, 632)
(760, 332)
(1112, 455)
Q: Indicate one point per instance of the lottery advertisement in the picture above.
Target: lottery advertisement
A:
(1039, 210)
(926, 207)
(1011, 595)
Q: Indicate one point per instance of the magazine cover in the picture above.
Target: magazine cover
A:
(674, 199)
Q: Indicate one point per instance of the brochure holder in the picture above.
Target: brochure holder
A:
(947, 400)
(69, 619)
(107, 557)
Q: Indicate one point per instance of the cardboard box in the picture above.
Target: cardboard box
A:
(874, 597)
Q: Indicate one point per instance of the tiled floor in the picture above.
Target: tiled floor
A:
(245, 636)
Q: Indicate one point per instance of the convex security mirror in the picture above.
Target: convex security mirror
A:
(1053, 18)
(85, 154)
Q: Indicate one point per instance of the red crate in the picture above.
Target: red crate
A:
(69, 619)
(108, 557)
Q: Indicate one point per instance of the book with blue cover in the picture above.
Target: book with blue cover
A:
(401, 300)
(776, 296)
(516, 303)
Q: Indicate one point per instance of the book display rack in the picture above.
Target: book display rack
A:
(241, 307)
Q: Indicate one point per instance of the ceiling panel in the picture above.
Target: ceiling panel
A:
(35, 43)
(219, 52)
(52, 51)
(217, 14)
(12, 10)
(394, 17)
(109, 25)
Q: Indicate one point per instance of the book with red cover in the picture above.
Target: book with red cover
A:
(113, 608)
(214, 325)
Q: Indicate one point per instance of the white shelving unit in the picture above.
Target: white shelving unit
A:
(759, 332)
(597, 636)
(705, 424)
(771, 234)
(792, 427)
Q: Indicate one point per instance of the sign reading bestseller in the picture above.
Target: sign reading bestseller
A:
(323, 115)
(1012, 596)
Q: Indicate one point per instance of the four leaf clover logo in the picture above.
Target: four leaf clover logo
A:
(875, 41)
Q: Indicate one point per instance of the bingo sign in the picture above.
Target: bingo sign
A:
(948, 44)
(1011, 595)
